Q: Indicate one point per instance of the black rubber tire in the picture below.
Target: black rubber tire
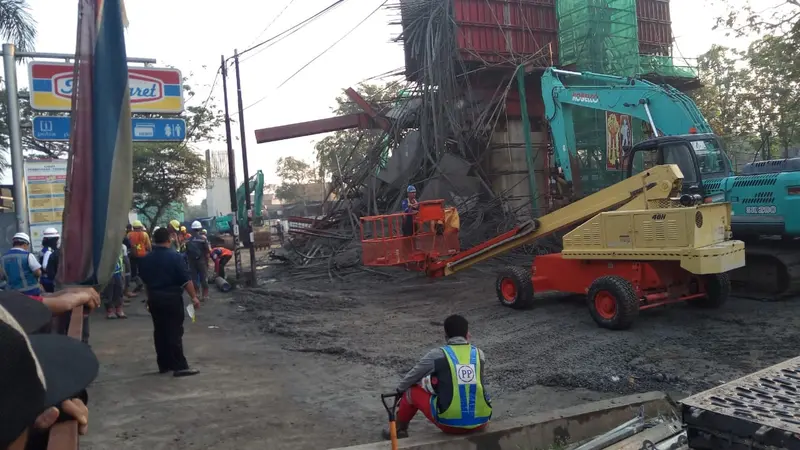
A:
(627, 303)
(718, 286)
(523, 284)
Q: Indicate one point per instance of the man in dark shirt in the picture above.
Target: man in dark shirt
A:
(165, 276)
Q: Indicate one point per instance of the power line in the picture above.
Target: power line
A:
(293, 28)
(318, 56)
(274, 19)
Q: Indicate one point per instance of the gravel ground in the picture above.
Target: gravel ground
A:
(389, 323)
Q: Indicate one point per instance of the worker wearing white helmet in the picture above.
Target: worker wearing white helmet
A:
(198, 252)
(20, 268)
(49, 259)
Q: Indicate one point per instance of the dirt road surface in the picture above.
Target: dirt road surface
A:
(300, 364)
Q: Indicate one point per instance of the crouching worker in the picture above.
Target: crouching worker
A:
(446, 386)
(221, 256)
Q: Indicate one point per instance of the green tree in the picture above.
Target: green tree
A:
(166, 173)
(17, 25)
(294, 173)
(720, 98)
(352, 145)
(774, 94)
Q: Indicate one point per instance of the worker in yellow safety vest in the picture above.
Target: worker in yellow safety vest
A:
(446, 385)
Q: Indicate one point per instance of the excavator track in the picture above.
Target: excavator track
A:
(772, 272)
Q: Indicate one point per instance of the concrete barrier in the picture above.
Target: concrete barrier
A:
(547, 430)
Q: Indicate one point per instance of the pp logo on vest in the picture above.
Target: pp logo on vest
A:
(465, 373)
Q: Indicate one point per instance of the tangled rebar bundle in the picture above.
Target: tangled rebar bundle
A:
(440, 114)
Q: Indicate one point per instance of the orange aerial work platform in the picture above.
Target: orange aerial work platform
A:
(415, 240)
(638, 244)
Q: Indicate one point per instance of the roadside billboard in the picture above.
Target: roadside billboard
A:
(45, 180)
(153, 90)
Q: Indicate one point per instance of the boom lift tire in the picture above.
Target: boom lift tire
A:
(515, 287)
(613, 302)
(718, 289)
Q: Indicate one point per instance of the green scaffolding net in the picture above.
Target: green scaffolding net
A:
(599, 35)
(602, 36)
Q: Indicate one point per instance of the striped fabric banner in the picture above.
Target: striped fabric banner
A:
(99, 177)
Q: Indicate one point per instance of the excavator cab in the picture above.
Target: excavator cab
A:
(669, 150)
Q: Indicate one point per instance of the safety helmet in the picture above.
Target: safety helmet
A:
(50, 233)
(196, 225)
(183, 229)
(137, 224)
(203, 231)
(21, 237)
(175, 224)
(156, 228)
(411, 188)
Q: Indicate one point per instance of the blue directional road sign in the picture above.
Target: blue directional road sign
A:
(57, 128)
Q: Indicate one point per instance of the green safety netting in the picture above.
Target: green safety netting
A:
(666, 66)
(599, 35)
(602, 36)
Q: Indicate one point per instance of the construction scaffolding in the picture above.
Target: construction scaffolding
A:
(599, 35)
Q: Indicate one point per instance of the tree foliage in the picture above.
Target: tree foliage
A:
(166, 173)
(753, 93)
(17, 25)
(294, 173)
(353, 145)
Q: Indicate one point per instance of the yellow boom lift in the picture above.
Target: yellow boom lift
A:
(642, 244)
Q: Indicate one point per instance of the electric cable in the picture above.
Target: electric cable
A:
(291, 30)
(274, 19)
(348, 33)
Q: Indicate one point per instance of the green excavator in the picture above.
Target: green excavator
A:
(761, 196)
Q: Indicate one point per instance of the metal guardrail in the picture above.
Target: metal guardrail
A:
(64, 435)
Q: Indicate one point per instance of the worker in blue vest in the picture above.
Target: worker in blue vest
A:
(410, 206)
(446, 385)
(198, 252)
(49, 259)
(20, 268)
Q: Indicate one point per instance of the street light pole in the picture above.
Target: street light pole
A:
(248, 204)
(15, 138)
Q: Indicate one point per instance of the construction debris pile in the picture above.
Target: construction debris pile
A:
(437, 136)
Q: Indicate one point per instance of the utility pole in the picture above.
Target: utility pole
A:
(15, 136)
(231, 172)
(248, 204)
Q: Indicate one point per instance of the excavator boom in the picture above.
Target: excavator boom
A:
(659, 183)
(667, 110)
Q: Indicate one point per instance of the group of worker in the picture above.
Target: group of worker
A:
(194, 246)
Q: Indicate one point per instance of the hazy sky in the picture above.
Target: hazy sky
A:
(192, 34)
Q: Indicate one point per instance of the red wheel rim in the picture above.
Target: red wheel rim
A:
(605, 304)
(508, 289)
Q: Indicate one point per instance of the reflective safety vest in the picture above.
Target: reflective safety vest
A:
(47, 252)
(120, 265)
(19, 276)
(138, 246)
(468, 406)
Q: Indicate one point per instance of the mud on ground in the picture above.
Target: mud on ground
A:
(390, 322)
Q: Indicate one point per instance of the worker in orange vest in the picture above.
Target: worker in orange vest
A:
(140, 247)
(220, 256)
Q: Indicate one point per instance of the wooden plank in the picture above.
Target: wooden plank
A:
(64, 435)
